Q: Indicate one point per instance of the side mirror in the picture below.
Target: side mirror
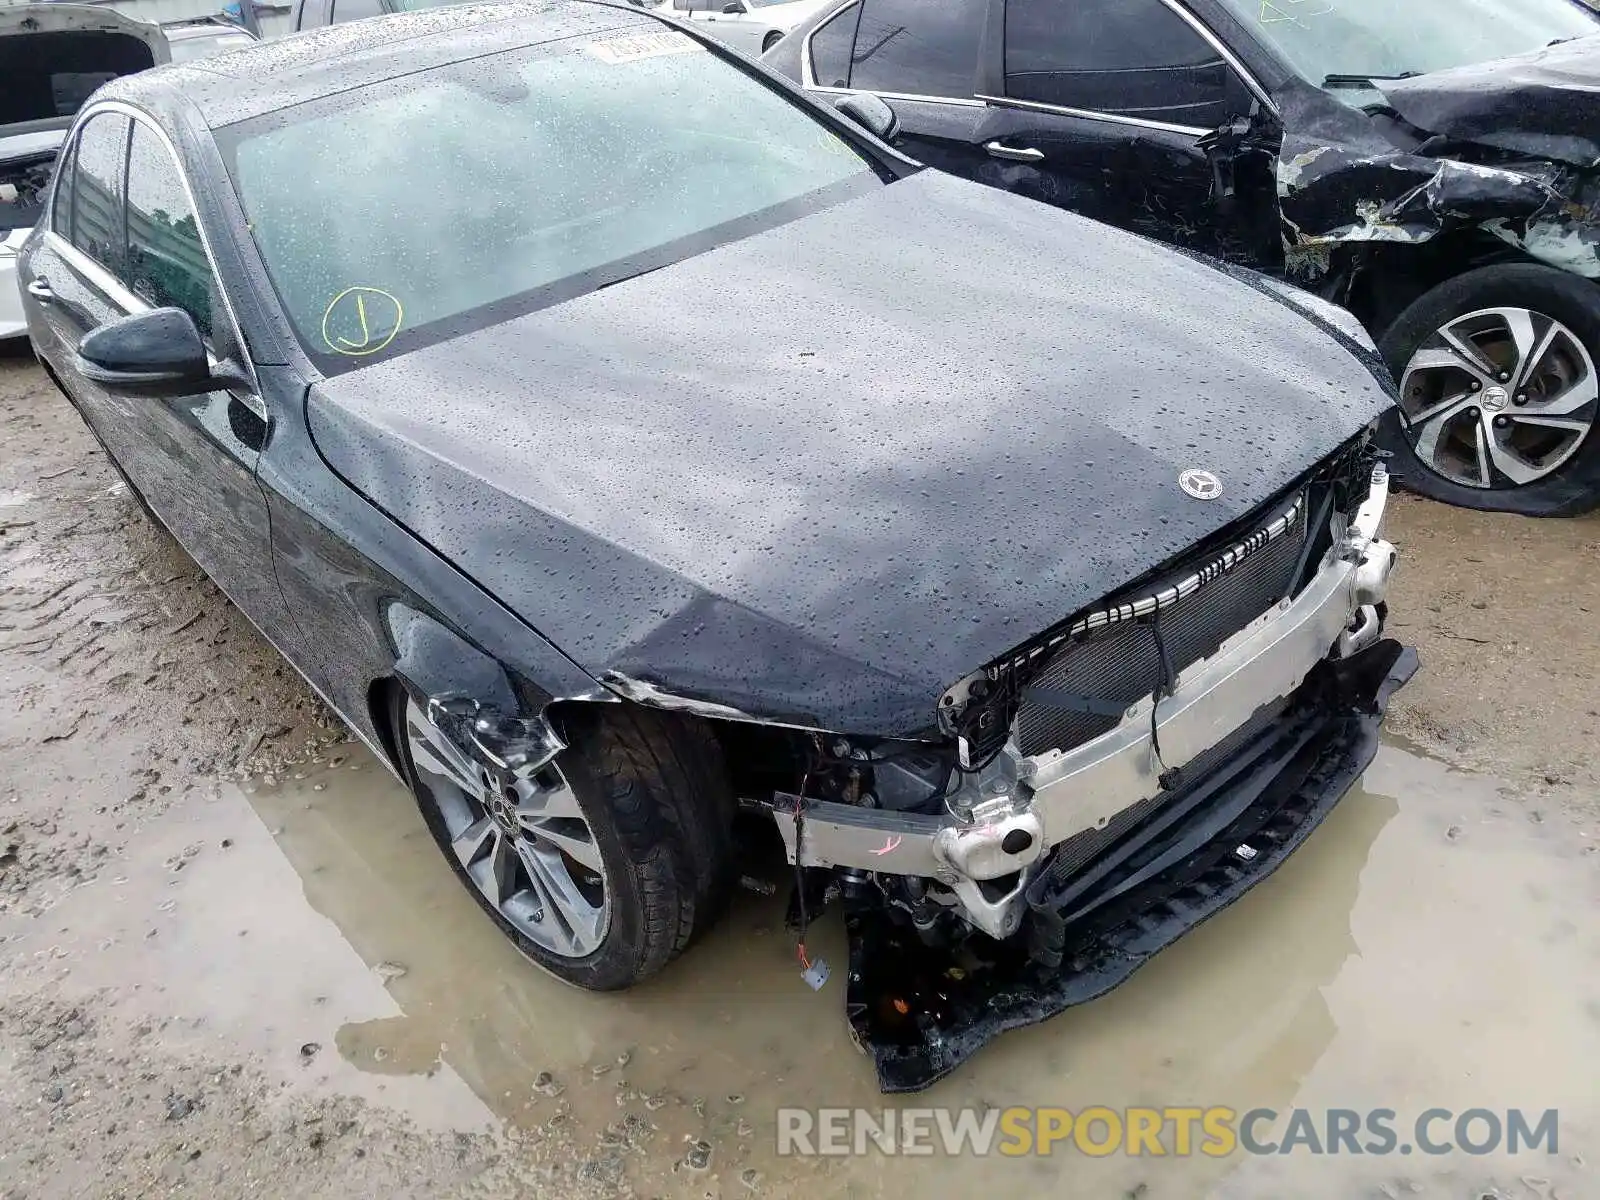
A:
(871, 113)
(733, 8)
(155, 353)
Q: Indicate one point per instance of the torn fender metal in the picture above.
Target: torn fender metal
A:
(1343, 181)
(919, 1012)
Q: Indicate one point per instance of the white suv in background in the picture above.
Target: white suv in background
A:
(52, 57)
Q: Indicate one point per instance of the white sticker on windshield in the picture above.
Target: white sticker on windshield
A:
(641, 45)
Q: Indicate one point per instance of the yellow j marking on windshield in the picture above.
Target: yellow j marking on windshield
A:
(361, 320)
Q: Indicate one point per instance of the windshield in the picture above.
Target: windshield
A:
(1367, 39)
(397, 214)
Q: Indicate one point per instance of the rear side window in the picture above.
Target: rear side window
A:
(831, 45)
(917, 47)
(101, 158)
(167, 262)
(1126, 57)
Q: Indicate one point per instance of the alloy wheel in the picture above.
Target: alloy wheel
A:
(1501, 397)
(521, 839)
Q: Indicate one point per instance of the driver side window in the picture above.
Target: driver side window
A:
(167, 263)
(1135, 58)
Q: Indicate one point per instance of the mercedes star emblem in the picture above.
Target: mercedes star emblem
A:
(1202, 485)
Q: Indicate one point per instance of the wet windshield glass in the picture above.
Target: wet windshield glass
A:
(398, 214)
(1366, 39)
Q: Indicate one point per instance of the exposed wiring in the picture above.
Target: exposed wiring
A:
(1169, 778)
(799, 843)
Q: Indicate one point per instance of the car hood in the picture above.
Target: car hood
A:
(1545, 103)
(52, 56)
(819, 474)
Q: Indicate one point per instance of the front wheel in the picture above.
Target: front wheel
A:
(602, 866)
(771, 40)
(1499, 391)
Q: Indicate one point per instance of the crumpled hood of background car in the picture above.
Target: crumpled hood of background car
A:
(1545, 103)
(820, 474)
(1532, 123)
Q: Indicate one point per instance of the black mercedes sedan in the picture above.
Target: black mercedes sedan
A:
(622, 442)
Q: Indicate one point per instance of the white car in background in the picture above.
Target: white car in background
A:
(201, 37)
(754, 26)
(52, 57)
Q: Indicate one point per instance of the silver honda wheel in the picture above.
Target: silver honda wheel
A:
(521, 839)
(1498, 397)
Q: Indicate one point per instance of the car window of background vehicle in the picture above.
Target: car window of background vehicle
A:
(831, 46)
(456, 188)
(355, 10)
(1129, 57)
(167, 262)
(917, 47)
(97, 191)
(1382, 38)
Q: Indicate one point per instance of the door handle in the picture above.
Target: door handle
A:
(41, 291)
(1014, 153)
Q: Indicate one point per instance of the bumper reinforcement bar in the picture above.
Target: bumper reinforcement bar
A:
(919, 1013)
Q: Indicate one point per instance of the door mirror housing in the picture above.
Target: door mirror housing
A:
(871, 113)
(733, 8)
(154, 353)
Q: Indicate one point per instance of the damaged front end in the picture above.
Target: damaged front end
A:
(1506, 147)
(1115, 780)
(1349, 180)
(26, 165)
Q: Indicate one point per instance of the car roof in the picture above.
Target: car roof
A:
(272, 75)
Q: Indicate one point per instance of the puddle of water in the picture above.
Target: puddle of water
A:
(1429, 946)
(205, 931)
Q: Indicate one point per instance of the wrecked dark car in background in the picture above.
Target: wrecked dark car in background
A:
(1390, 157)
(1033, 616)
(52, 57)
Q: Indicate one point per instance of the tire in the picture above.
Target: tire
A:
(771, 40)
(1554, 471)
(654, 793)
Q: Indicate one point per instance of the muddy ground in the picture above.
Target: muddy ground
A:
(231, 963)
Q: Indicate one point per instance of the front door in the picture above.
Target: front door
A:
(124, 238)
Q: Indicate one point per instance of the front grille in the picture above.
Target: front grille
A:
(1120, 663)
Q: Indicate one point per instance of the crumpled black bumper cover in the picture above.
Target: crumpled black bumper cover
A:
(921, 1012)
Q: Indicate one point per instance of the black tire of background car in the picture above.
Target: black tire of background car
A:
(655, 792)
(771, 40)
(1571, 299)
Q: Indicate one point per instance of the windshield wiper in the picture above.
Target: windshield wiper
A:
(1338, 80)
